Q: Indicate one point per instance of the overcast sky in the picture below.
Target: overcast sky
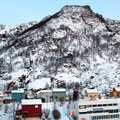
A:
(14, 12)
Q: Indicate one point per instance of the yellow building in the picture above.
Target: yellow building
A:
(92, 94)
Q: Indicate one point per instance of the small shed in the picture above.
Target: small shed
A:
(17, 95)
(31, 108)
(59, 94)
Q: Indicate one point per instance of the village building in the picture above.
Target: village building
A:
(17, 95)
(91, 94)
(31, 109)
(59, 94)
(101, 109)
(45, 95)
(115, 93)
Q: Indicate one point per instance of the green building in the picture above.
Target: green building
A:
(59, 94)
(17, 95)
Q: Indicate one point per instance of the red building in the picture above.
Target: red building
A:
(31, 108)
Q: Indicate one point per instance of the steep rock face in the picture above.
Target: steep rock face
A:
(72, 45)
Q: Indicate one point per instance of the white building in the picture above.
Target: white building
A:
(45, 93)
(102, 109)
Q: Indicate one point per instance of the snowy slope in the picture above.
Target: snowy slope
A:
(74, 44)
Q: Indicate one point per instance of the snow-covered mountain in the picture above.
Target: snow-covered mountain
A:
(74, 44)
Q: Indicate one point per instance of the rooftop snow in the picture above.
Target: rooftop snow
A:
(92, 91)
(104, 100)
(118, 88)
(59, 90)
(31, 102)
(17, 91)
(45, 91)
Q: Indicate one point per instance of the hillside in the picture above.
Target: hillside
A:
(74, 44)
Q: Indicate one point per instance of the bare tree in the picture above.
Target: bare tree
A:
(56, 114)
(46, 112)
(75, 95)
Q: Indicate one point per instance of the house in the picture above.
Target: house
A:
(17, 95)
(92, 94)
(115, 93)
(59, 94)
(45, 95)
(100, 109)
(31, 109)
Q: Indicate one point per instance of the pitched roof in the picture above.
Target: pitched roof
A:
(31, 102)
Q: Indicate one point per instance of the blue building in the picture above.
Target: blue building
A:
(17, 95)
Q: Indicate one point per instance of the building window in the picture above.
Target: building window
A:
(105, 105)
(115, 104)
(94, 105)
(105, 117)
(88, 106)
(110, 104)
(100, 105)
(36, 113)
(36, 106)
(26, 106)
(82, 106)
(26, 113)
(99, 110)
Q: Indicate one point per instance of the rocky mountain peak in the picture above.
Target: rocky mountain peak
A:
(71, 45)
(74, 8)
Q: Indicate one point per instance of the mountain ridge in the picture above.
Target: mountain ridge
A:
(71, 45)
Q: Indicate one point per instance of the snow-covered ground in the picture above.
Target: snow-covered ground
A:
(62, 109)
